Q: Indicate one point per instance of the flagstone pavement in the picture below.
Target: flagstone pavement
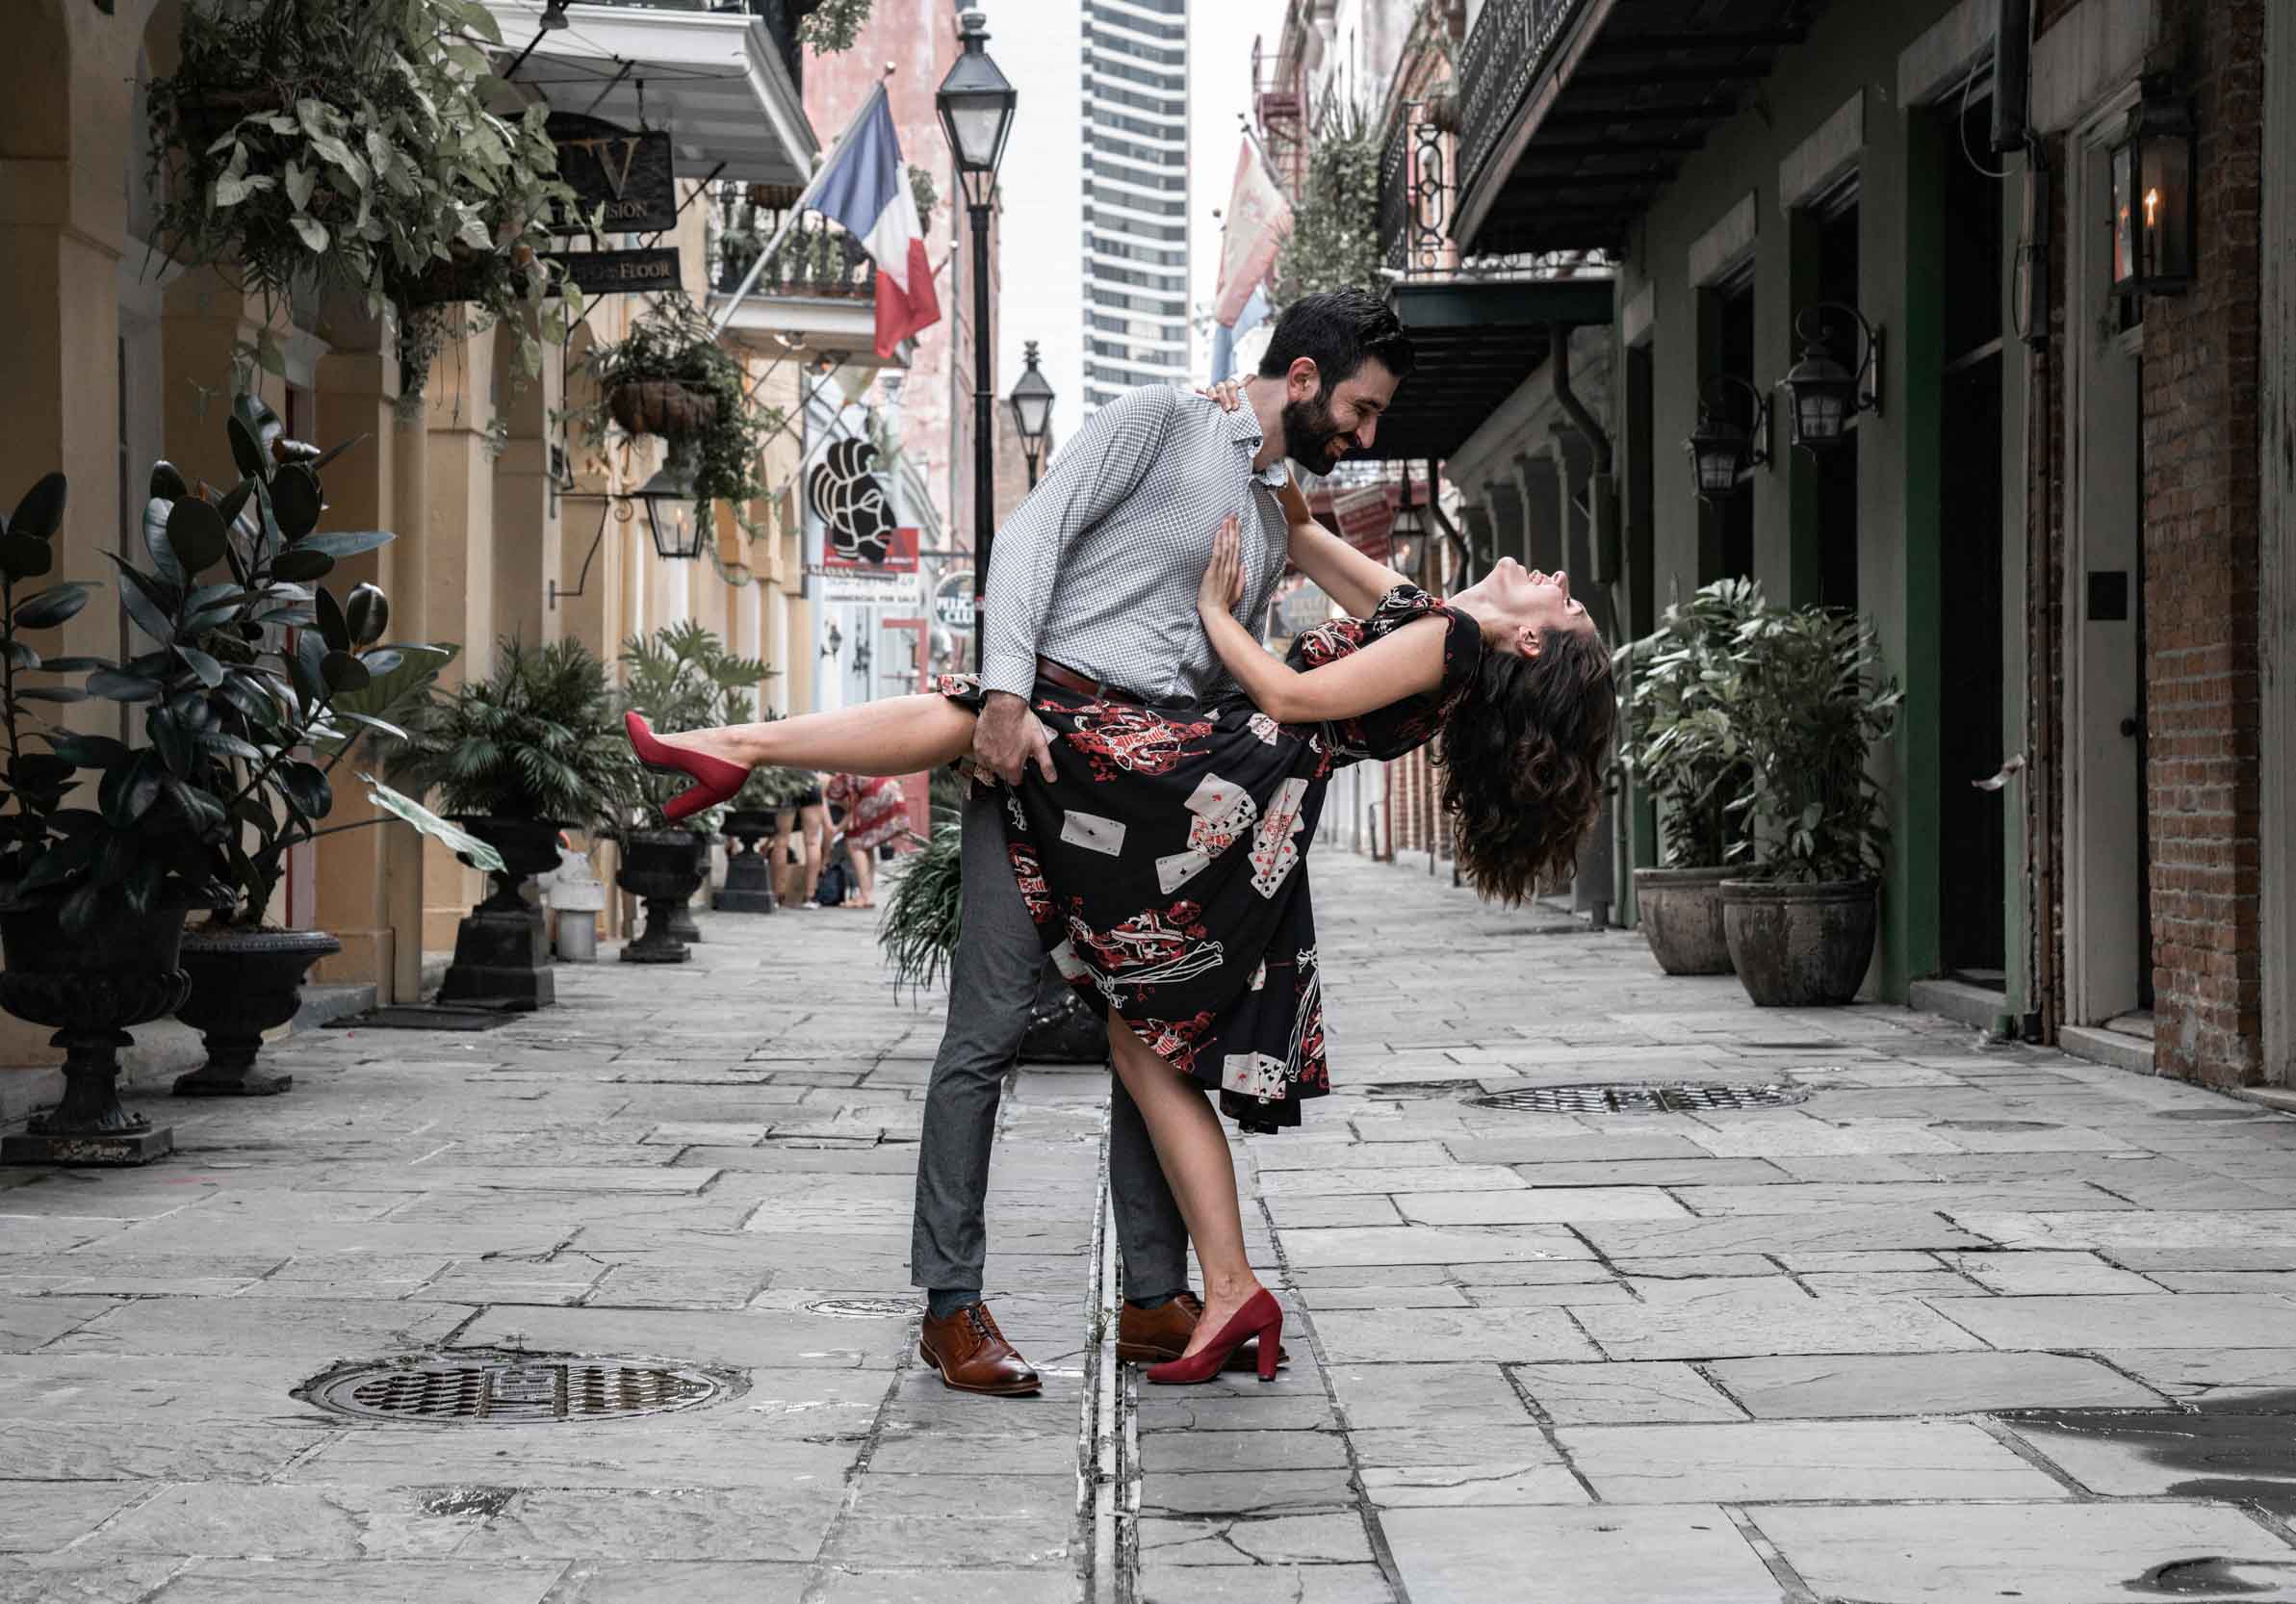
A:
(1961, 1324)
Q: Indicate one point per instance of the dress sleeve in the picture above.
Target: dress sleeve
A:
(1462, 655)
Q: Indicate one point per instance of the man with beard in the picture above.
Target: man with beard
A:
(1092, 588)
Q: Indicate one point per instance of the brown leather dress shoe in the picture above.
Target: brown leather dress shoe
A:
(1158, 1335)
(973, 1355)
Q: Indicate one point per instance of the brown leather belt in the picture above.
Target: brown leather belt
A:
(1083, 684)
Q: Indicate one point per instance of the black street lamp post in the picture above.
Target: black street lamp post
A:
(976, 102)
(1031, 402)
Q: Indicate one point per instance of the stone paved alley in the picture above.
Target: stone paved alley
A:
(1963, 1324)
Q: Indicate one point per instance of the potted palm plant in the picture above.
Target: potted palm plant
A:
(679, 678)
(754, 816)
(1806, 691)
(1678, 740)
(516, 758)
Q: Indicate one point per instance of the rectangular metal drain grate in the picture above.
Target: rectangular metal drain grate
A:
(1625, 1098)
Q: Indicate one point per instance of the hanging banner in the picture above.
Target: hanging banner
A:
(630, 179)
(619, 273)
(1258, 220)
(857, 516)
(1365, 519)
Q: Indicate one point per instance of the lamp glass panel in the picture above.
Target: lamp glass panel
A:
(2164, 204)
(1717, 467)
(1032, 413)
(2124, 215)
(976, 127)
(1818, 413)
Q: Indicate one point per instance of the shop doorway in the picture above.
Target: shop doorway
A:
(1972, 824)
(2108, 950)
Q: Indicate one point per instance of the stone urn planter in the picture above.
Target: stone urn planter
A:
(660, 867)
(749, 878)
(91, 989)
(682, 919)
(502, 949)
(1681, 913)
(1801, 945)
(243, 983)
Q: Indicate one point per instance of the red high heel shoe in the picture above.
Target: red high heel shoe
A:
(718, 778)
(1261, 1316)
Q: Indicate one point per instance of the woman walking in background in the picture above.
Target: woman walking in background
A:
(876, 814)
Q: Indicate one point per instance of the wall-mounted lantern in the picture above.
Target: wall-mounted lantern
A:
(2151, 178)
(1722, 448)
(668, 497)
(1822, 395)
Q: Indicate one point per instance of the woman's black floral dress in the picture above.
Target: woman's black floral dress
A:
(1164, 866)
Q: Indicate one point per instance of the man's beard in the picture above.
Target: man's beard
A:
(1310, 432)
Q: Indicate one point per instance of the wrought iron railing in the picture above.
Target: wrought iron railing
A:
(1506, 51)
(1416, 193)
(814, 258)
(780, 17)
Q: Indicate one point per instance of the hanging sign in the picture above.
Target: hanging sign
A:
(630, 180)
(952, 599)
(1365, 517)
(857, 516)
(619, 273)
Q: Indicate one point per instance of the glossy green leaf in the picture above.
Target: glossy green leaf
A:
(164, 560)
(209, 671)
(51, 693)
(25, 556)
(87, 751)
(244, 452)
(331, 622)
(41, 513)
(296, 501)
(51, 607)
(307, 790)
(344, 672)
(318, 463)
(368, 612)
(198, 534)
(119, 687)
(303, 562)
(343, 543)
(167, 482)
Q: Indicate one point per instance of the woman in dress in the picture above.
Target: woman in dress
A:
(876, 814)
(1162, 861)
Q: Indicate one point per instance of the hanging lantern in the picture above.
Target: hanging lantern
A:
(2151, 183)
(1822, 395)
(668, 498)
(1722, 449)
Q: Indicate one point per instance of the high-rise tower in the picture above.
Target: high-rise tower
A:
(1135, 196)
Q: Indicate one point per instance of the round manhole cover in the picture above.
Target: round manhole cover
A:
(1638, 1098)
(865, 1308)
(520, 1389)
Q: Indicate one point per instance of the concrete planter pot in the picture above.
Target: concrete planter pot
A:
(243, 983)
(1801, 945)
(502, 950)
(682, 919)
(662, 868)
(1681, 913)
(91, 989)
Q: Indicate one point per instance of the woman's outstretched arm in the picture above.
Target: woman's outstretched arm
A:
(1402, 665)
(900, 734)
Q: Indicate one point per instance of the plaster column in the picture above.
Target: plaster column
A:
(1504, 497)
(356, 391)
(529, 527)
(1542, 490)
(1574, 466)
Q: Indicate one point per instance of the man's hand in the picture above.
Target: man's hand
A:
(1007, 738)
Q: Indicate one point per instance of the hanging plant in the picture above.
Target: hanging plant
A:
(670, 378)
(356, 148)
(1334, 242)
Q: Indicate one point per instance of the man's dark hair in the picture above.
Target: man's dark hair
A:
(1337, 329)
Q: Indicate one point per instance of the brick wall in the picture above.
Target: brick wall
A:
(2200, 477)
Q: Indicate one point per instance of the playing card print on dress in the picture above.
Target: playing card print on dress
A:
(1193, 924)
(1091, 830)
(1274, 848)
(1223, 810)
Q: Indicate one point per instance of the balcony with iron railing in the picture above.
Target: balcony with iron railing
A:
(780, 17)
(1419, 167)
(1507, 50)
(814, 258)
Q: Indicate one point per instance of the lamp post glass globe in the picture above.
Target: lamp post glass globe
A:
(1031, 402)
(976, 101)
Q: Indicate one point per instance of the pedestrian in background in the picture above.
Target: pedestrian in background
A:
(876, 815)
(812, 836)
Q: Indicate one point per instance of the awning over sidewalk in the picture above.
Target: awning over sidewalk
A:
(1576, 113)
(715, 79)
(1477, 341)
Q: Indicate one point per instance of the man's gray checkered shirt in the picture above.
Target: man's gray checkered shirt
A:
(1100, 568)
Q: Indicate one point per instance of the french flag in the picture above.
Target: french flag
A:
(865, 189)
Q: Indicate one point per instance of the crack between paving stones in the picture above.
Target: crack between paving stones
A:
(1547, 1428)
(1797, 1590)
(1366, 1510)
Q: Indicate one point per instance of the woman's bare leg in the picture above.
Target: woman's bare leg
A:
(1191, 1146)
(865, 876)
(814, 822)
(900, 734)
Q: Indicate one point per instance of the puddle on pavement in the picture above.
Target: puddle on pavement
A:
(2209, 1114)
(1992, 1124)
(2237, 1451)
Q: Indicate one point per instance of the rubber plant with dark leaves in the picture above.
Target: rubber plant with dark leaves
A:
(248, 653)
